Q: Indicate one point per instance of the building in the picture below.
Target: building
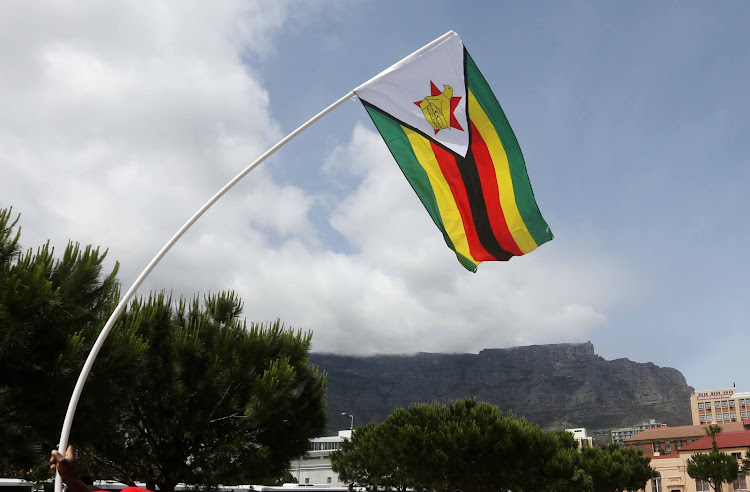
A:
(619, 435)
(672, 439)
(315, 467)
(581, 436)
(719, 405)
(672, 468)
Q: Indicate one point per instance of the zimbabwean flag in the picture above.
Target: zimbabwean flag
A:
(449, 135)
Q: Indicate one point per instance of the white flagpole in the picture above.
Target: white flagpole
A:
(68, 423)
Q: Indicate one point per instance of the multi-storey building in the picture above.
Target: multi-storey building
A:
(619, 435)
(672, 439)
(715, 406)
(314, 468)
(672, 473)
(581, 437)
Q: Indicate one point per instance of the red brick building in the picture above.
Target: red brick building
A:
(671, 468)
(673, 439)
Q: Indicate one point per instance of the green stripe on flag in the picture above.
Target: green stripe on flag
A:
(402, 151)
(524, 195)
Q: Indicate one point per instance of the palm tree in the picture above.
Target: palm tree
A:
(712, 431)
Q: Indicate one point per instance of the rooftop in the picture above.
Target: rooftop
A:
(680, 432)
(740, 439)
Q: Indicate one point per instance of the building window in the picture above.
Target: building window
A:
(719, 418)
(741, 482)
(668, 446)
(737, 456)
(701, 486)
(708, 405)
(743, 415)
(709, 418)
(702, 418)
(656, 484)
(734, 416)
(307, 480)
(724, 404)
(700, 406)
(656, 446)
(731, 403)
(726, 417)
(329, 479)
(689, 441)
(640, 447)
(678, 445)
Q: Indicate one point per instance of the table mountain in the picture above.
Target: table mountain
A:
(557, 386)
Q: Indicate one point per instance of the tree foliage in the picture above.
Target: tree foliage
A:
(714, 467)
(217, 401)
(50, 312)
(182, 391)
(712, 431)
(472, 446)
(745, 465)
(615, 469)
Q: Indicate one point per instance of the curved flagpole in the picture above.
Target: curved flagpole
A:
(68, 423)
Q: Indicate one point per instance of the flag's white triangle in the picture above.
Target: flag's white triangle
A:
(396, 90)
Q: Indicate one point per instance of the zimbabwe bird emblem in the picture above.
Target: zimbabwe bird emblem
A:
(438, 108)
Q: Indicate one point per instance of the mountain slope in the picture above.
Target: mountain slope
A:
(557, 386)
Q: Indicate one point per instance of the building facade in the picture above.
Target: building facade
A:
(670, 440)
(619, 435)
(716, 406)
(672, 468)
(581, 437)
(314, 468)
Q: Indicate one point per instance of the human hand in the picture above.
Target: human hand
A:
(64, 465)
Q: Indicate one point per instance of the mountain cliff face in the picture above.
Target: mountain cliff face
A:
(557, 386)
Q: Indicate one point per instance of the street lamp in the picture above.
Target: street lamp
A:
(351, 425)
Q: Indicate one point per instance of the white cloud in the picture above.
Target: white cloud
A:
(118, 122)
(404, 291)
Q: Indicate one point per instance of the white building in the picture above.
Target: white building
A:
(315, 467)
(582, 437)
(619, 435)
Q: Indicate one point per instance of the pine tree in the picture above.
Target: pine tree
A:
(50, 312)
(214, 400)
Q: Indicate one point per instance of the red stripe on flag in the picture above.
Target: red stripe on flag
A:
(452, 176)
(488, 177)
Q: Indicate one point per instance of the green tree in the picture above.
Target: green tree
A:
(712, 431)
(746, 462)
(50, 312)
(367, 460)
(548, 461)
(614, 469)
(714, 467)
(215, 401)
(466, 445)
(182, 391)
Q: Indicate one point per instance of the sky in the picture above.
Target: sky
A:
(119, 120)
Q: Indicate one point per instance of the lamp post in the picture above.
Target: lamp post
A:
(351, 425)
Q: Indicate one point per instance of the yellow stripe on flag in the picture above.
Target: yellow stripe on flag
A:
(513, 218)
(449, 213)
